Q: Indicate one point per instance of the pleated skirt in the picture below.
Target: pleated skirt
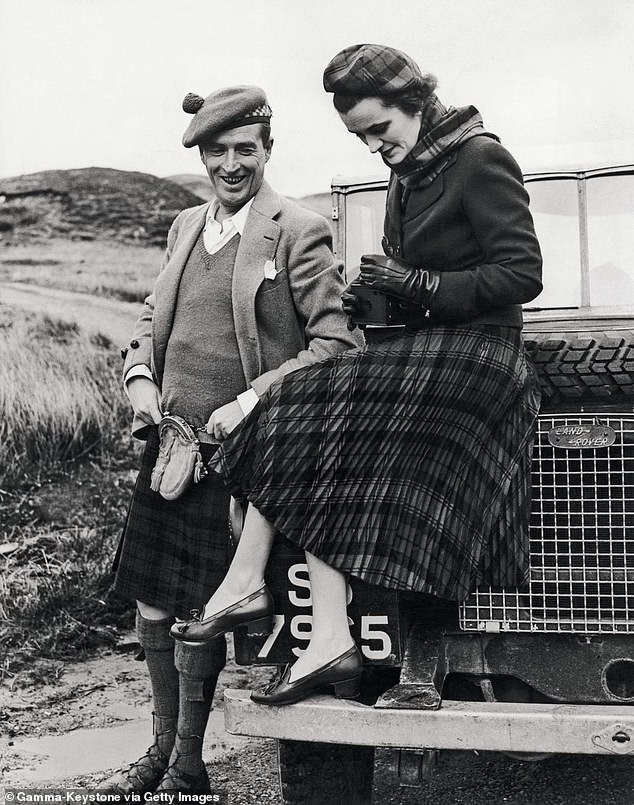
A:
(404, 463)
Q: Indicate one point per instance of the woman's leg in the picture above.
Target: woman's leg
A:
(330, 635)
(246, 571)
(331, 659)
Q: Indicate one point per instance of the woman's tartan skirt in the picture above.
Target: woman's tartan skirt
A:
(173, 553)
(404, 463)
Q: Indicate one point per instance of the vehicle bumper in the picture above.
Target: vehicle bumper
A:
(490, 726)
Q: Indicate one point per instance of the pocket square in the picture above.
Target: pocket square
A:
(270, 272)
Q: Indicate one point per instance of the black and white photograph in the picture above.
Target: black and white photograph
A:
(317, 402)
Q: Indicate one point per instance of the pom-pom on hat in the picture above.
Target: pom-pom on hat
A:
(226, 108)
(369, 70)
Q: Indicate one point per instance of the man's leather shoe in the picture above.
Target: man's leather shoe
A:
(140, 777)
(178, 782)
(343, 673)
(254, 614)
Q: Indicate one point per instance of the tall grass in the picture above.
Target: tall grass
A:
(66, 472)
(60, 396)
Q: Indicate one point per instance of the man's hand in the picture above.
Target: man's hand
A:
(145, 398)
(395, 277)
(224, 419)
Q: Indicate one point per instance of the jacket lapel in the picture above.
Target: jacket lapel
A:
(420, 199)
(392, 232)
(258, 244)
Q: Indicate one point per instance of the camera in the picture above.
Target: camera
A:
(376, 308)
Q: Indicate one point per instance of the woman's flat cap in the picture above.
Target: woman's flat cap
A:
(226, 108)
(370, 70)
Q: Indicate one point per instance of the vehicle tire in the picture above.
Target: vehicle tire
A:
(318, 773)
(583, 366)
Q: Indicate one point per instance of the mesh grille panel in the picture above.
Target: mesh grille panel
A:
(581, 539)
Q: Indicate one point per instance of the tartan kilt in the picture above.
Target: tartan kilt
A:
(173, 553)
(405, 463)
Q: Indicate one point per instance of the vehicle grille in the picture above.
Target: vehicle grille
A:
(581, 540)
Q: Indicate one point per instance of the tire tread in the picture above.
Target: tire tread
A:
(579, 367)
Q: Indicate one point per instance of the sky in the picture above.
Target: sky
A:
(100, 82)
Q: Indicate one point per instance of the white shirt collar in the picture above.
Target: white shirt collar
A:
(238, 219)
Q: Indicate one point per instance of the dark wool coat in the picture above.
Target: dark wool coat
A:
(282, 323)
(473, 225)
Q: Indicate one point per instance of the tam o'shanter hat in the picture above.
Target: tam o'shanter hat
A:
(226, 108)
(371, 70)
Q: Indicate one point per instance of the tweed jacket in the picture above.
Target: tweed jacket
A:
(473, 225)
(284, 319)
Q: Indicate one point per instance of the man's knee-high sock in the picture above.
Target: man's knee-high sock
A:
(198, 667)
(158, 646)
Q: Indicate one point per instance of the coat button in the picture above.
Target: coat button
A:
(124, 352)
(134, 344)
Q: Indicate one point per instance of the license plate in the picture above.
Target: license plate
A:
(372, 614)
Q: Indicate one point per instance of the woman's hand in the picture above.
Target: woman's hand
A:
(394, 277)
(353, 306)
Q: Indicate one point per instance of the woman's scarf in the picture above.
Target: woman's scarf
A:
(442, 132)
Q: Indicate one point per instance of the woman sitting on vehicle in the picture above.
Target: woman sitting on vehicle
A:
(406, 462)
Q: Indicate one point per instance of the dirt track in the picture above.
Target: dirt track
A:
(97, 716)
(109, 317)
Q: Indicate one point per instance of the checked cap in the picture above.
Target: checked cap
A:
(371, 70)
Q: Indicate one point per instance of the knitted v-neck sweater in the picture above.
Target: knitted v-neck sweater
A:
(202, 364)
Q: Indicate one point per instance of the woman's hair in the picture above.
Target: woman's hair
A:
(410, 101)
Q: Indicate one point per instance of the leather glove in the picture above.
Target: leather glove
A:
(353, 306)
(394, 277)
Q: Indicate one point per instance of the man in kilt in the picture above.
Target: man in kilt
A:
(248, 291)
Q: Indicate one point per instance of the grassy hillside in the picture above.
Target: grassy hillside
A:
(195, 183)
(67, 465)
(103, 203)
(90, 203)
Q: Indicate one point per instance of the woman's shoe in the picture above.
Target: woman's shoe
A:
(254, 614)
(343, 673)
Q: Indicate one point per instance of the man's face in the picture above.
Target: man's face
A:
(235, 161)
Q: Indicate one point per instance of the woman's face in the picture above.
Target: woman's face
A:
(386, 129)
